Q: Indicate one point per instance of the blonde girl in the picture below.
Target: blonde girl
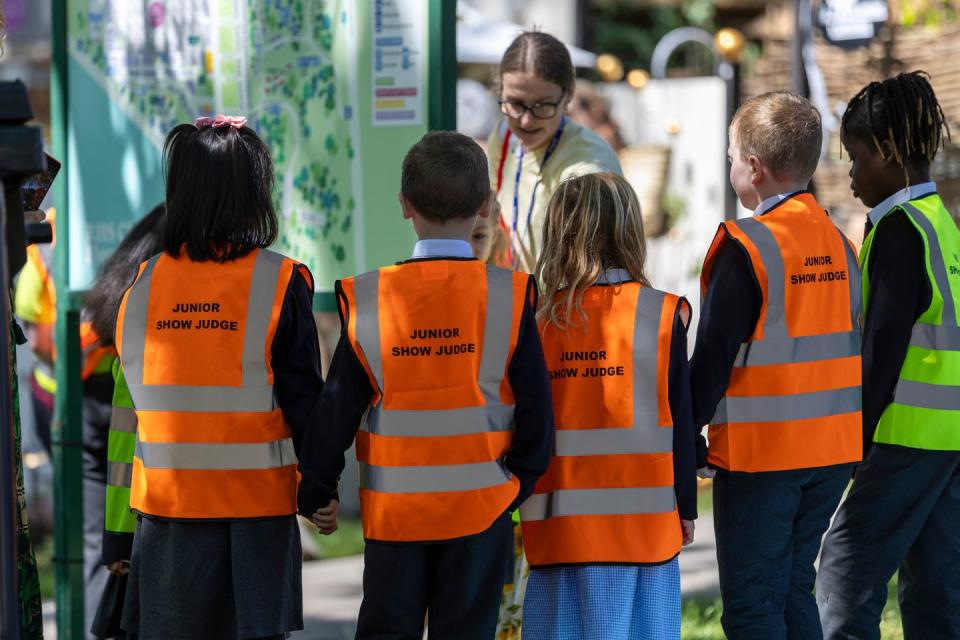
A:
(605, 524)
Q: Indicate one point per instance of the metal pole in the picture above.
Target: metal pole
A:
(803, 28)
(442, 58)
(9, 585)
(730, 73)
(67, 427)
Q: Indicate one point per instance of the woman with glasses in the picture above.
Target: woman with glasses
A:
(537, 146)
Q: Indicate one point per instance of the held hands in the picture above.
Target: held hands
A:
(119, 568)
(687, 527)
(326, 518)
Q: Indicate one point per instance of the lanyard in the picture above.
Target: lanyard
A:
(533, 196)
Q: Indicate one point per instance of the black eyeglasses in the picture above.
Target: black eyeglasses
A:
(539, 110)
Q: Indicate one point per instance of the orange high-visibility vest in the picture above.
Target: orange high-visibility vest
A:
(793, 401)
(436, 337)
(41, 257)
(608, 495)
(195, 342)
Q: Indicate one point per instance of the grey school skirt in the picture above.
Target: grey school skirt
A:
(231, 580)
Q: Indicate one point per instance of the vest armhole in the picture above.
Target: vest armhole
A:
(343, 307)
(925, 241)
(685, 311)
(305, 273)
(751, 269)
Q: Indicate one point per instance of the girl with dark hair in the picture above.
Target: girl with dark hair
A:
(219, 368)
(901, 513)
(537, 146)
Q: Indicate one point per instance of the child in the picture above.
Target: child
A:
(903, 508)
(489, 238)
(776, 372)
(219, 356)
(605, 524)
(440, 367)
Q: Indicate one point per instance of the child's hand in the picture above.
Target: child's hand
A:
(687, 527)
(326, 518)
(119, 568)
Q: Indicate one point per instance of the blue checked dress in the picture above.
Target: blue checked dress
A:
(603, 602)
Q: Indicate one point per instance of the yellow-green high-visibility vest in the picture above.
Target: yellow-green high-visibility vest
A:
(925, 411)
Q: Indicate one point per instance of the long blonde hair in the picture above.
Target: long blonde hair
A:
(593, 223)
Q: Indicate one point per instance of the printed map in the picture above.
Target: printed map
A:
(165, 62)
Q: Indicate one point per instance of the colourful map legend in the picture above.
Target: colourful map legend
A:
(398, 62)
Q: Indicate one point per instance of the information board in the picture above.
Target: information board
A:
(302, 71)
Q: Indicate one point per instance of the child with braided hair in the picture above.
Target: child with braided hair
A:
(902, 510)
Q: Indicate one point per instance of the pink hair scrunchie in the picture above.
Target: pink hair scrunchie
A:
(237, 122)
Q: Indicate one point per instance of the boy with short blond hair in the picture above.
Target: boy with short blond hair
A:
(776, 373)
(441, 369)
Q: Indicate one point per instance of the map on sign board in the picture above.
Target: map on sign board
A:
(165, 62)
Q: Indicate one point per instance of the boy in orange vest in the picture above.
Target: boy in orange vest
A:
(440, 376)
(776, 373)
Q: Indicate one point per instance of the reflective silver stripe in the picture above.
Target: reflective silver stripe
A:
(203, 399)
(135, 324)
(367, 323)
(496, 333)
(825, 346)
(799, 406)
(938, 337)
(777, 347)
(263, 289)
(775, 323)
(927, 396)
(254, 396)
(646, 349)
(598, 502)
(433, 479)
(123, 419)
(645, 435)
(498, 323)
(216, 456)
(649, 438)
(438, 422)
(119, 474)
(937, 265)
(856, 286)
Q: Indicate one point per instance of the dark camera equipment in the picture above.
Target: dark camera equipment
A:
(21, 156)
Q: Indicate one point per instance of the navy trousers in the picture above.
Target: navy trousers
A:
(456, 584)
(903, 512)
(769, 527)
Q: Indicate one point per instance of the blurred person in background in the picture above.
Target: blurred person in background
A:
(35, 305)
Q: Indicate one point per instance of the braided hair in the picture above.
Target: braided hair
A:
(903, 111)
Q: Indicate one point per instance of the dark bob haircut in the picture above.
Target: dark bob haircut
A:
(445, 176)
(141, 243)
(219, 193)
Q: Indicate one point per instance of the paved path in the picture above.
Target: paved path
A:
(332, 588)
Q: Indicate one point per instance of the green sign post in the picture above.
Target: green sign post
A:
(339, 90)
